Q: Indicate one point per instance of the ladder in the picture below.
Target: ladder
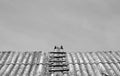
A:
(57, 62)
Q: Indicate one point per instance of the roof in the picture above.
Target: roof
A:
(21, 63)
(94, 63)
(101, 63)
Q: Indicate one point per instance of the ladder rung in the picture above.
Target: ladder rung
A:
(58, 70)
(57, 65)
(57, 61)
(58, 52)
(57, 56)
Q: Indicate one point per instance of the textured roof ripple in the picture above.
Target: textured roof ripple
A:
(101, 63)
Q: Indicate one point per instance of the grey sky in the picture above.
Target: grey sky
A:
(87, 25)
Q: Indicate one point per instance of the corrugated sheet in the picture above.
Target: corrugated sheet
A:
(94, 63)
(22, 63)
(80, 64)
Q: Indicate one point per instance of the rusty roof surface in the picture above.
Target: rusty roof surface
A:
(101, 63)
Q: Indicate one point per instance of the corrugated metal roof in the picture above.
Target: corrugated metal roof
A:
(94, 63)
(21, 63)
(80, 63)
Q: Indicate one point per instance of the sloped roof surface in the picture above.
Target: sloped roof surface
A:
(21, 63)
(80, 64)
(94, 63)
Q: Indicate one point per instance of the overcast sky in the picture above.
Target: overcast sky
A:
(79, 25)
